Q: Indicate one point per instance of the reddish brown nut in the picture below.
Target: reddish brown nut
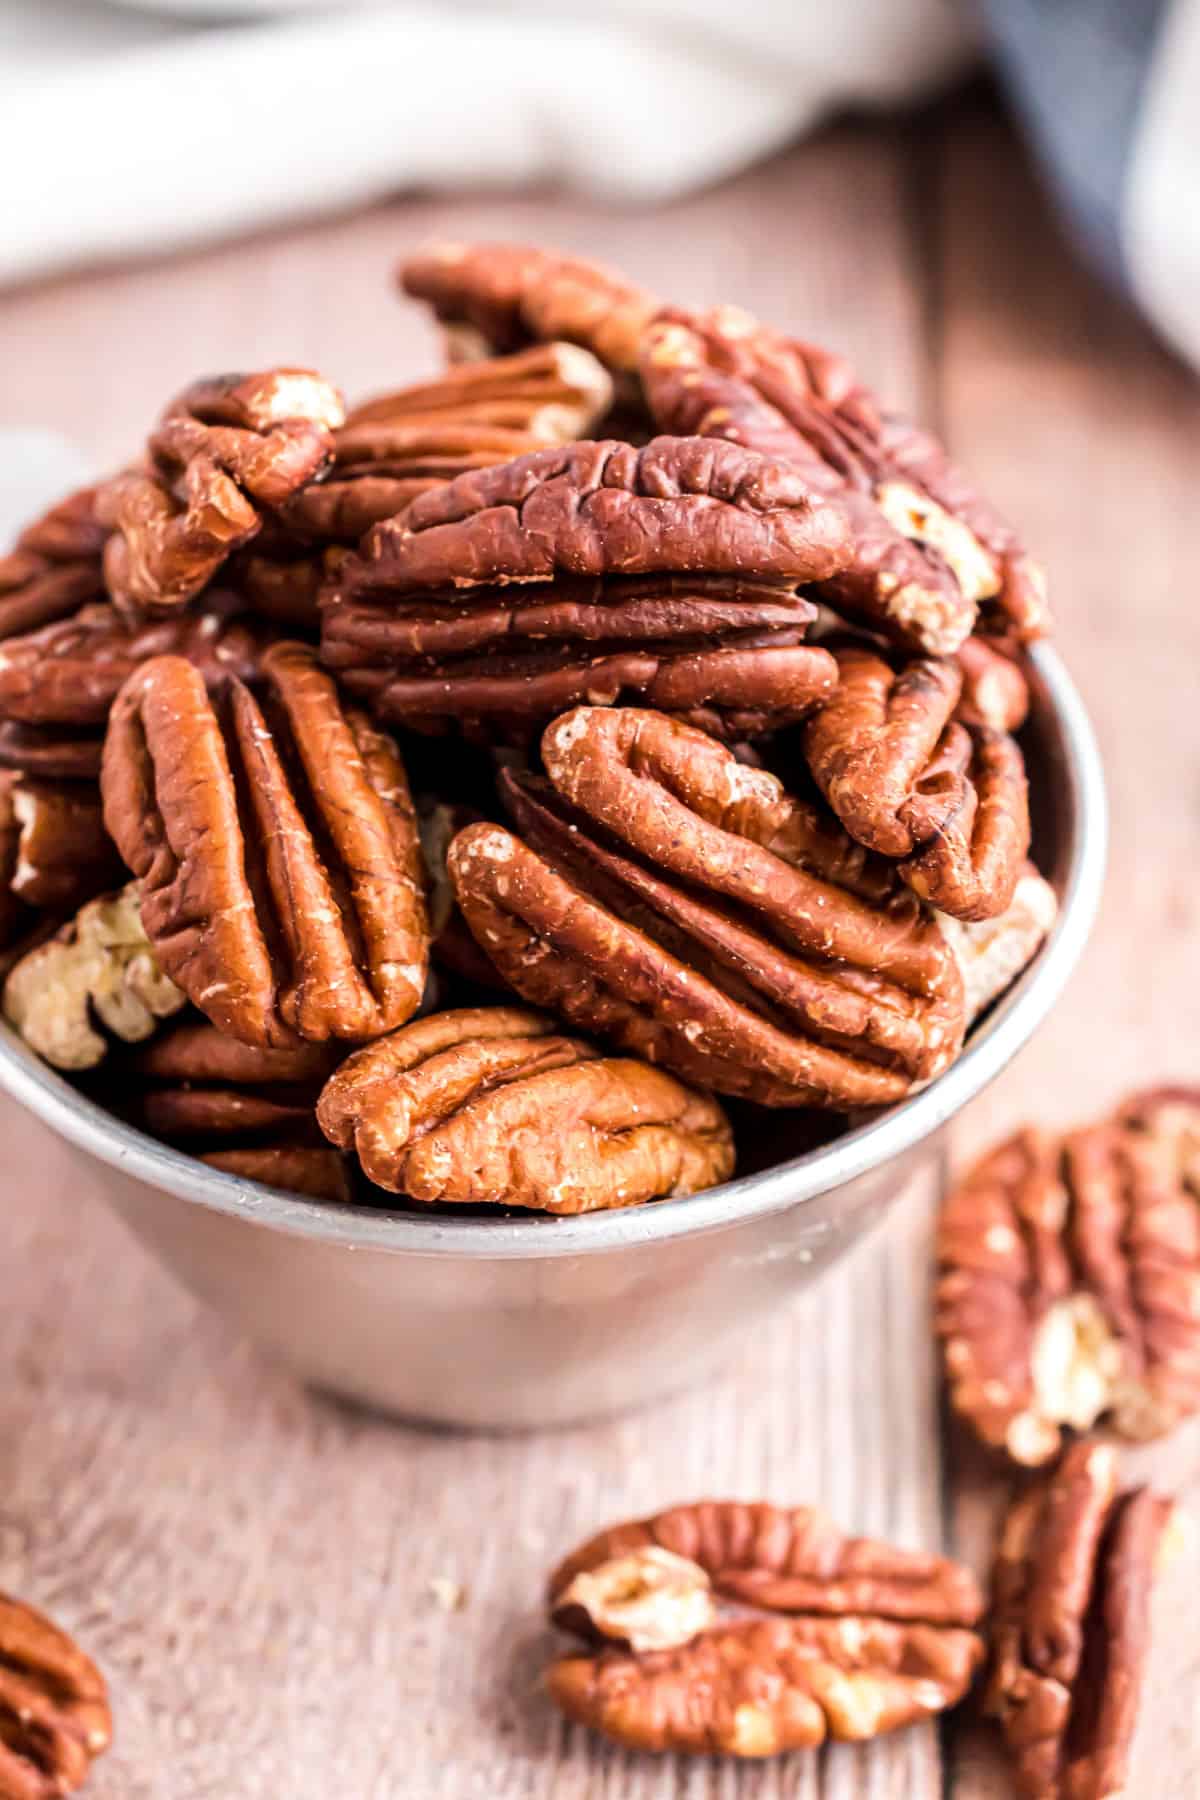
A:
(98, 969)
(54, 567)
(54, 1713)
(493, 1106)
(995, 692)
(69, 673)
(55, 753)
(553, 392)
(684, 905)
(1168, 1118)
(846, 1638)
(969, 863)
(508, 295)
(275, 846)
(54, 850)
(870, 747)
(1069, 1290)
(991, 953)
(223, 451)
(927, 550)
(238, 1107)
(1074, 1573)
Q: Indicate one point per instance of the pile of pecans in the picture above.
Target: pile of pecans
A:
(442, 802)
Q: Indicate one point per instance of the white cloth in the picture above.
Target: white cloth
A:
(138, 127)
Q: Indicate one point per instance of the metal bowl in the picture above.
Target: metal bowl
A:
(514, 1323)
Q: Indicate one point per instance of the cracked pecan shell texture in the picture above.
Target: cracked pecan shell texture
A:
(493, 1105)
(276, 849)
(1069, 1290)
(69, 673)
(607, 508)
(668, 897)
(801, 1634)
(497, 664)
(508, 295)
(1070, 1625)
(54, 1712)
(927, 549)
(226, 451)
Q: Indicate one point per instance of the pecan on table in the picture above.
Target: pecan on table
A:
(747, 1630)
(928, 550)
(55, 566)
(276, 849)
(54, 850)
(591, 573)
(1070, 1627)
(991, 953)
(682, 904)
(99, 967)
(54, 1713)
(1069, 1289)
(226, 450)
(239, 1107)
(505, 296)
(492, 1105)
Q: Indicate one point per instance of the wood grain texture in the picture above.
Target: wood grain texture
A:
(258, 1569)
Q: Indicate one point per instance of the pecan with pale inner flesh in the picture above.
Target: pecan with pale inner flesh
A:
(747, 1630)
(506, 296)
(927, 549)
(227, 449)
(54, 1712)
(1069, 1290)
(54, 850)
(1070, 1629)
(492, 1105)
(666, 896)
(276, 849)
(991, 953)
(99, 967)
(242, 1108)
(54, 568)
(594, 573)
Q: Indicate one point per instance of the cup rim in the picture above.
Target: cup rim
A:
(867, 1147)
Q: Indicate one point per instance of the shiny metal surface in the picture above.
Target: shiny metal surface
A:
(519, 1323)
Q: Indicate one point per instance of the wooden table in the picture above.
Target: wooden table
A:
(296, 1601)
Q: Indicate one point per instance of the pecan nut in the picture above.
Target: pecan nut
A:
(54, 1712)
(683, 904)
(748, 1630)
(276, 849)
(494, 1106)
(1069, 1289)
(972, 860)
(239, 1107)
(54, 850)
(995, 692)
(505, 296)
(56, 753)
(101, 966)
(1073, 1578)
(54, 567)
(927, 549)
(227, 448)
(991, 953)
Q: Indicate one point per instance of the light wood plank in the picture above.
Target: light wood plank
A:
(1090, 435)
(254, 1565)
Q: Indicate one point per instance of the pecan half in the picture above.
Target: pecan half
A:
(927, 550)
(54, 1713)
(69, 673)
(493, 1106)
(995, 692)
(227, 448)
(991, 953)
(54, 567)
(556, 391)
(276, 847)
(508, 295)
(747, 1630)
(1069, 1290)
(54, 850)
(971, 860)
(54, 752)
(1070, 1631)
(683, 904)
(239, 1107)
(100, 967)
